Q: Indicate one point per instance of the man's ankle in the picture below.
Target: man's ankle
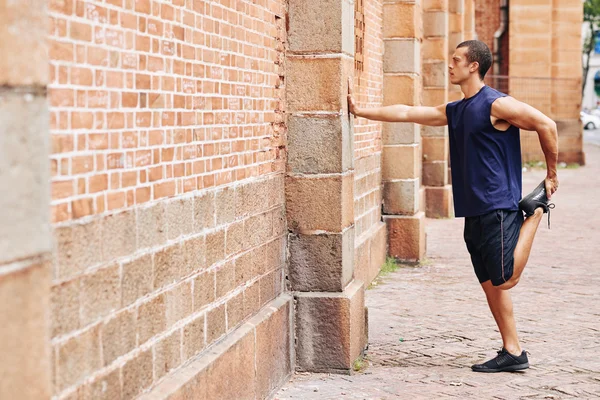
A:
(514, 350)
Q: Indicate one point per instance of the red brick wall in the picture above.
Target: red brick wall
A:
(487, 20)
(367, 133)
(167, 182)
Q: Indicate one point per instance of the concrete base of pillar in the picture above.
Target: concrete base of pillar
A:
(406, 236)
(331, 329)
(438, 202)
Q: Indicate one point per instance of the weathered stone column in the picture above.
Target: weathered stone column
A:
(469, 18)
(455, 37)
(438, 194)
(25, 203)
(330, 313)
(401, 158)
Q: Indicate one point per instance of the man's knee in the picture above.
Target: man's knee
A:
(509, 284)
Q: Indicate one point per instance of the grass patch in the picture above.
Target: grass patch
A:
(360, 364)
(391, 265)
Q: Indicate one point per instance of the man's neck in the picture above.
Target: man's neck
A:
(472, 87)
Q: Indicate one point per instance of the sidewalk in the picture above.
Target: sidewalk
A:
(428, 324)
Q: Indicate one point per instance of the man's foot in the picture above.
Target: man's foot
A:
(536, 199)
(503, 362)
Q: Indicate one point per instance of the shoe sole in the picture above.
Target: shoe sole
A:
(510, 368)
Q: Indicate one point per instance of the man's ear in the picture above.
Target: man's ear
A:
(474, 66)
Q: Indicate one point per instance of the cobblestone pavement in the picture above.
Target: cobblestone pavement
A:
(428, 324)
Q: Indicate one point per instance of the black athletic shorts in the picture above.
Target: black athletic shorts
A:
(491, 240)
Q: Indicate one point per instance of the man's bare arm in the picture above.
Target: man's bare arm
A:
(524, 116)
(432, 116)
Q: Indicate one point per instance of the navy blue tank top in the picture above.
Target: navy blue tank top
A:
(485, 162)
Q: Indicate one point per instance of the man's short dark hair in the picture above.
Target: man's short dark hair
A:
(480, 52)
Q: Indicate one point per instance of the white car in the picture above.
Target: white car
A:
(589, 121)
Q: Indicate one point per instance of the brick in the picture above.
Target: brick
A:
(215, 323)
(180, 217)
(179, 303)
(77, 358)
(24, 343)
(320, 203)
(193, 338)
(151, 226)
(204, 211)
(401, 89)
(402, 20)
(431, 5)
(435, 23)
(137, 279)
(400, 133)
(77, 247)
(273, 350)
(24, 28)
(319, 144)
(434, 48)
(400, 162)
(204, 290)
(24, 168)
(435, 173)
(402, 56)
(435, 74)
(118, 336)
(317, 84)
(406, 236)
(151, 318)
(435, 148)
(105, 387)
(215, 247)
(194, 251)
(439, 202)
(168, 264)
(101, 293)
(234, 238)
(167, 354)
(225, 278)
(328, 344)
(258, 229)
(119, 235)
(225, 205)
(250, 199)
(251, 299)
(64, 302)
(235, 311)
(400, 197)
(321, 263)
(137, 375)
(321, 26)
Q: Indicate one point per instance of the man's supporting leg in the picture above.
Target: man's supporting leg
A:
(501, 306)
(523, 248)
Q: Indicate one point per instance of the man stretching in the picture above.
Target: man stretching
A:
(485, 158)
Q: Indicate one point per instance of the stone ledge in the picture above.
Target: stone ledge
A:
(248, 363)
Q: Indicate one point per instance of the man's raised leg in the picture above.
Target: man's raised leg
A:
(523, 248)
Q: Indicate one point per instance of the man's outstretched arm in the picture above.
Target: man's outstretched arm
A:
(432, 116)
(524, 116)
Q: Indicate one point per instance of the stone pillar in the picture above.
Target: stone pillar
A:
(438, 193)
(25, 203)
(330, 313)
(401, 156)
(469, 21)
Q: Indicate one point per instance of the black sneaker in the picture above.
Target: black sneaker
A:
(537, 198)
(503, 362)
